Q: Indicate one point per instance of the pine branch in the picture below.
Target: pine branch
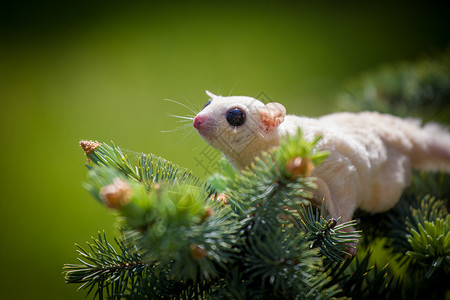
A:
(416, 231)
(325, 233)
(171, 219)
(431, 245)
(150, 168)
(421, 229)
(278, 268)
(123, 274)
(392, 224)
(358, 279)
(110, 272)
(223, 179)
(275, 181)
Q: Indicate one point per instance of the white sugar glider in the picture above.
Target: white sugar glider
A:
(371, 154)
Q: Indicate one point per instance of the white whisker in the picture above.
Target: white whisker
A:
(179, 128)
(182, 104)
(232, 88)
(186, 121)
(187, 135)
(194, 109)
(183, 117)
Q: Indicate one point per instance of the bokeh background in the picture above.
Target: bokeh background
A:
(72, 70)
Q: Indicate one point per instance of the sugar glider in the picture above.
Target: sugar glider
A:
(371, 154)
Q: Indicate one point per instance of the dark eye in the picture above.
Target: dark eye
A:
(206, 104)
(236, 117)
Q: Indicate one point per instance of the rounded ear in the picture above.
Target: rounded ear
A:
(272, 115)
(211, 95)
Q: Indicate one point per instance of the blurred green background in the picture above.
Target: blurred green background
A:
(84, 70)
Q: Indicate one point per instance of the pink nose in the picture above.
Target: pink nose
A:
(198, 121)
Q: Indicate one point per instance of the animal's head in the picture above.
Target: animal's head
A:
(237, 125)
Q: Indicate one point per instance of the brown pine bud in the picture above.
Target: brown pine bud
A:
(197, 251)
(222, 198)
(116, 194)
(298, 166)
(331, 223)
(209, 211)
(89, 147)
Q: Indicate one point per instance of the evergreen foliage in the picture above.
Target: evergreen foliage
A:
(255, 235)
(420, 89)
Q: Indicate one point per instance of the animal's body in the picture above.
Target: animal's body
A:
(371, 154)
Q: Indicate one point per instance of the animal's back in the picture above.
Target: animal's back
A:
(427, 146)
(372, 154)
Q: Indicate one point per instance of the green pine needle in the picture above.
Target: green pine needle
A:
(333, 239)
(431, 245)
(110, 272)
(358, 279)
(149, 169)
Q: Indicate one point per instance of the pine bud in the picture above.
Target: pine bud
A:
(197, 251)
(116, 194)
(298, 166)
(209, 211)
(331, 223)
(222, 198)
(89, 147)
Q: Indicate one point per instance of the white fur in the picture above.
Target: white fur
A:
(371, 154)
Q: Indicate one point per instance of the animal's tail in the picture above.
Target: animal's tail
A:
(430, 148)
